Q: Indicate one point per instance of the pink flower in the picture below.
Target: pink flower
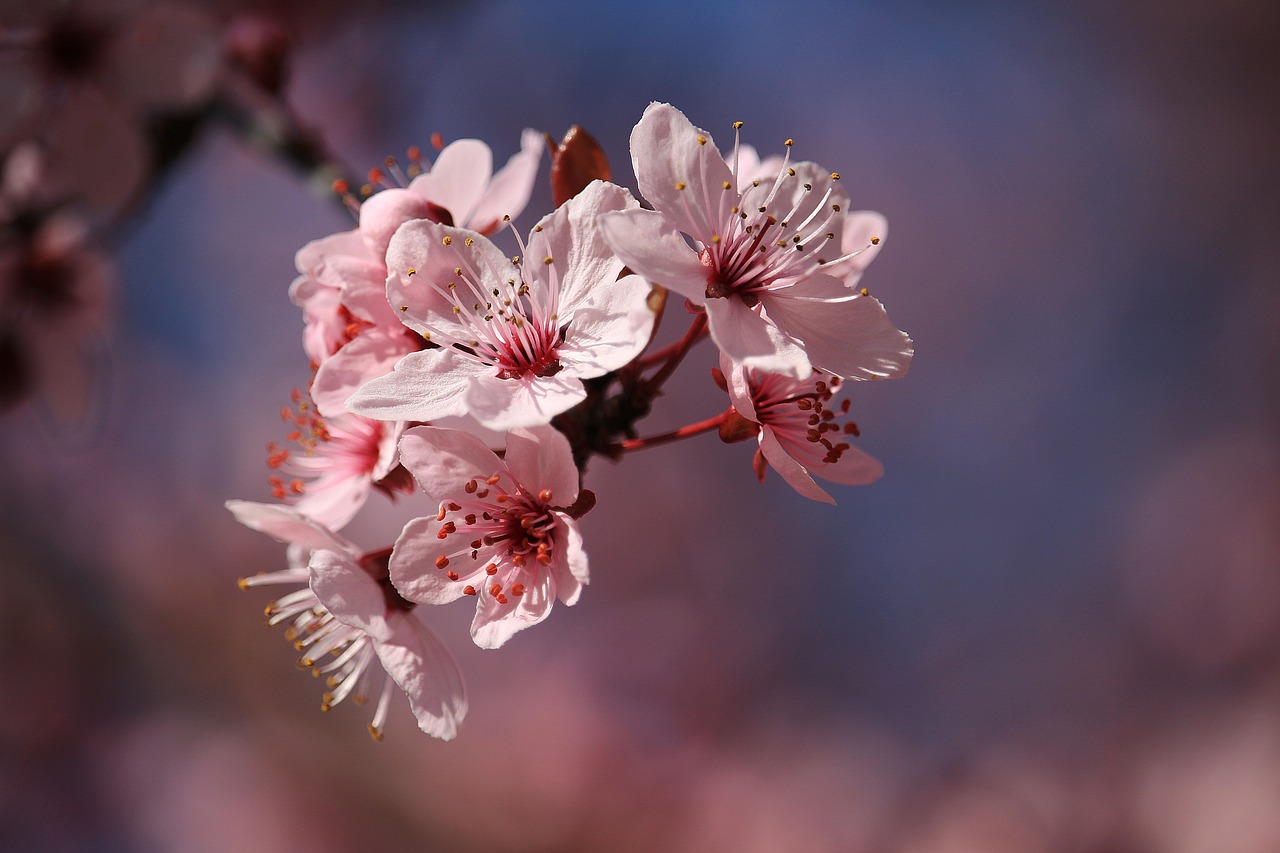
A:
(762, 257)
(350, 614)
(337, 462)
(352, 334)
(506, 531)
(797, 430)
(515, 339)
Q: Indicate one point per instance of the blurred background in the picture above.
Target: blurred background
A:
(1054, 624)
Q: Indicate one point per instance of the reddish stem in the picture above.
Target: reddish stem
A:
(683, 432)
(674, 353)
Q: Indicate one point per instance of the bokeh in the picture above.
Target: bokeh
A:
(1054, 625)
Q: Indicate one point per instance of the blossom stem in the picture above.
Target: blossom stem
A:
(674, 353)
(683, 432)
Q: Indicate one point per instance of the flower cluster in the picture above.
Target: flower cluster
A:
(486, 378)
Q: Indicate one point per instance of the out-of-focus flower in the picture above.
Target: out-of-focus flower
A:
(515, 339)
(337, 462)
(760, 256)
(53, 295)
(796, 427)
(351, 614)
(83, 77)
(506, 531)
(352, 334)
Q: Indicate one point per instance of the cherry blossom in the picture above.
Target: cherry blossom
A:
(352, 334)
(334, 463)
(762, 257)
(515, 338)
(796, 426)
(346, 615)
(506, 531)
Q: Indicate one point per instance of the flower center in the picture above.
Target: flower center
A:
(506, 536)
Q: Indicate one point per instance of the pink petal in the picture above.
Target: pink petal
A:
(583, 260)
(423, 668)
(347, 592)
(791, 470)
(509, 191)
(666, 153)
(423, 386)
(458, 178)
(372, 353)
(383, 212)
(859, 227)
(851, 337)
(495, 623)
(740, 396)
(540, 458)
(311, 256)
(504, 404)
(611, 330)
(413, 568)
(288, 525)
(443, 460)
(571, 567)
(652, 246)
(746, 337)
(334, 499)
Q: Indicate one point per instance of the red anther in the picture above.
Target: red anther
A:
(414, 153)
(442, 561)
(470, 518)
(442, 513)
(804, 404)
(828, 415)
(502, 497)
(453, 507)
(482, 494)
(495, 589)
(844, 406)
(493, 479)
(341, 187)
(852, 429)
(814, 420)
(517, 589)
(293, 436)
(275, 460)
(544, 559)
(820, 387)
(469, 589)
(813, 435)
(297, 487)
(351, 329)
(518, 561)
(437, 141)
(500, 598)
(452, 575)
(286, 414)
(470, 487)
(545, 496)
(476, 543)
(491, 569)
(375, 175)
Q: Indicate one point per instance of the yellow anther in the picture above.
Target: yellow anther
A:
(789, 143)
(727, 185)
(715, 238)
(412, 270)
(737, 125)
(548, 260)
(680, 185)
(469, 241)
(447, 239)
(702, 140)
(865, 292)
(875, 241)
(835, 176)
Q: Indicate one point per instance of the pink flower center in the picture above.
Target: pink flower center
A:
(802, 418)
(508, 532)
(348, 446)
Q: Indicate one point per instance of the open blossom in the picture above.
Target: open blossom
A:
(333, 463)
(797, 427)
(515, 337)
(766, 260)
(352, 334)
(506, 531)
(346, 616)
